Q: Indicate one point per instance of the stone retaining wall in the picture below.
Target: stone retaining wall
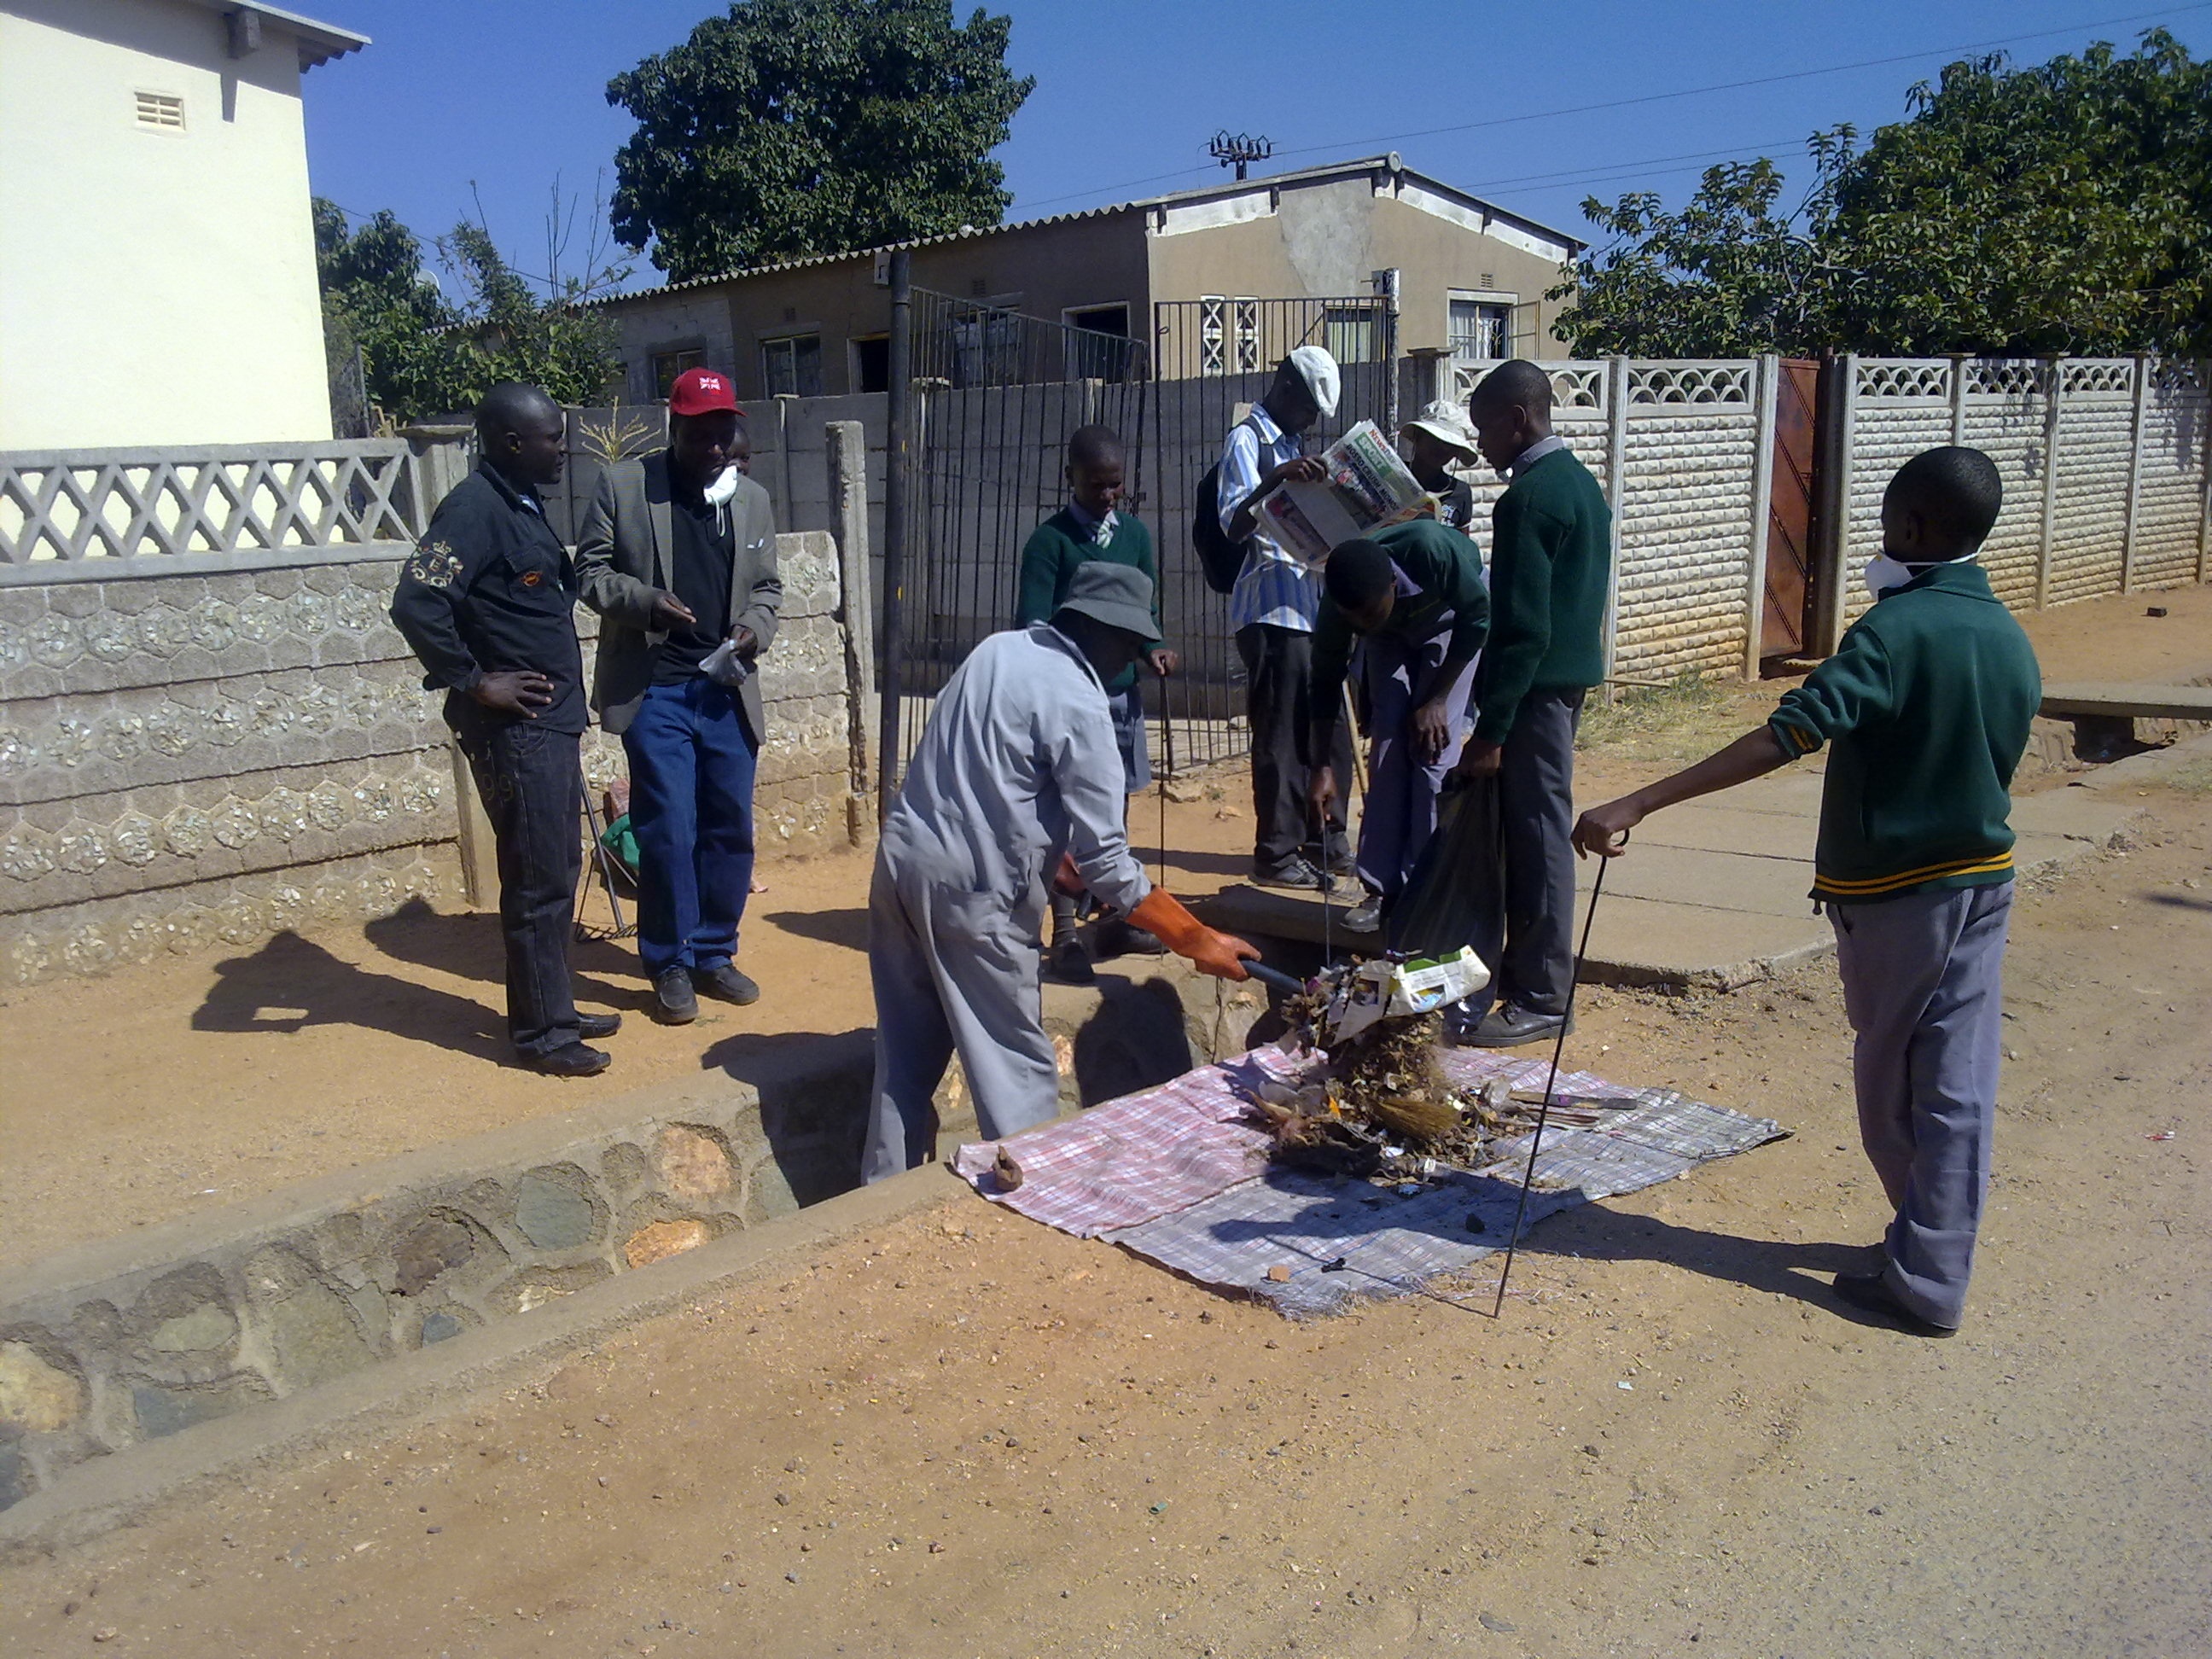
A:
(136, 1339)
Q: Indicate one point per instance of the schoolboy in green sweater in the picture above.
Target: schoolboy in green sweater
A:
(1550, 561)
(1091, 529)
(1926, 706)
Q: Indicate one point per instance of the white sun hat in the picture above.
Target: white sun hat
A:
(1319, 372)
(1442, 421)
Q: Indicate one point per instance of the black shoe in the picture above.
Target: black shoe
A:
(1508, 1027)
(673, 1001)
(1365, 916)
(1116, 938)
(1069, 963)
(1293, 872)
(724, 983)
(1342, 860)
(1870, 1293)
(592, 1027)
(574, 1061)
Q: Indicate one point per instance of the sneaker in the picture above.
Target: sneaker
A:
(1116, 938)
(1508, 1027)
(1068, 963)
(1293, 872)
(1342, 861)
(724, 983)
(592, 1027)
(574, 1060)
(674, 1003)
(1365, 916)
(1870, 1293)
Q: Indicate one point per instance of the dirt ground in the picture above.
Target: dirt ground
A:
(965, 1434)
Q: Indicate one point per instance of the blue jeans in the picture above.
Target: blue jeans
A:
(691, 766)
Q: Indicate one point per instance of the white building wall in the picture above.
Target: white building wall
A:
(157, 287)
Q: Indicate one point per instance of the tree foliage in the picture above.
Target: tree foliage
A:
(787, 128)
(424, 354)
(2062, 208)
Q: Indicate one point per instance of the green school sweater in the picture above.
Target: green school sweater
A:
(1551, 552)
(1057, 546)
(1927, 703)
(1446, 566)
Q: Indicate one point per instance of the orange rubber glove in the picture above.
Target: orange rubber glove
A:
(1222, 954)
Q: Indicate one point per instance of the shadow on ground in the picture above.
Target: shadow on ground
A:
(291, 983)
(848, 928)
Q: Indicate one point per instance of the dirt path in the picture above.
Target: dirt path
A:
(968, 1435)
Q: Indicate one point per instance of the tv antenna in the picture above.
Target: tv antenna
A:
(1239, 150)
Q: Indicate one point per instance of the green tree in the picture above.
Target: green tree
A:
(425, 355)
(2061, 208)
(795, 127)
(1726, 276)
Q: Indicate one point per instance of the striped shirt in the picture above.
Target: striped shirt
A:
(1274, 587)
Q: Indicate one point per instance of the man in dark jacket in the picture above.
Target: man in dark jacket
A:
(488, 602)
(677, 553)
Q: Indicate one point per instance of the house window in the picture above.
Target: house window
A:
(792, 366)
(667, 365)
(1101, 351)
(1349, 332)
(162, 110)
(871, 363)
(1481, 330)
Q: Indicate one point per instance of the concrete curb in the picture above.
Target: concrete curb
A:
(114, 1492)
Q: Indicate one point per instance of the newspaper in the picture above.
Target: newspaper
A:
(1367, 486)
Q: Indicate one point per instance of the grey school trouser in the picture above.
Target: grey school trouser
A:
(953, 969)
(1529, 948)
(1404, 791)
(1922, 986)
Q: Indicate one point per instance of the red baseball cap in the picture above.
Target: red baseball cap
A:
(701, 391)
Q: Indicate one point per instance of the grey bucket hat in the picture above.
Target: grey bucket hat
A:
(1119, 595)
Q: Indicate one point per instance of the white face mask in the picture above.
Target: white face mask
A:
(723, 486)
(1884, 574)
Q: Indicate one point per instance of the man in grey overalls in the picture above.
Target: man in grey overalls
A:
(1016, 778)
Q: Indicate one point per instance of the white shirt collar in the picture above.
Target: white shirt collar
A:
(1535, 453)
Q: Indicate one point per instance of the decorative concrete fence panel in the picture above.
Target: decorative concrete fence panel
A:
(211, 732)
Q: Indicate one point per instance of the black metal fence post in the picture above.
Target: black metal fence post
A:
(898, 459)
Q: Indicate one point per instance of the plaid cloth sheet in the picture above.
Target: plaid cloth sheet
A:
(1171, 1175)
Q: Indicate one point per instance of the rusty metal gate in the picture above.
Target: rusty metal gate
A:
(993, 396)
(1786, 614)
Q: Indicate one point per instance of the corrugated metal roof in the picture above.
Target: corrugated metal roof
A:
(1204, 192)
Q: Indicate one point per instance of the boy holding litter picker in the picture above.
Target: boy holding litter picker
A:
(1090, 530)
(1927, 703)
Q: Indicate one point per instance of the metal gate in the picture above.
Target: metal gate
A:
(995, 396)
(1214, 358)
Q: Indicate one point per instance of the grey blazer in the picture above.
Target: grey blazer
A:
(623, 549)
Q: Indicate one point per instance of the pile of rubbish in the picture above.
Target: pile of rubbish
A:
(1381, 1105)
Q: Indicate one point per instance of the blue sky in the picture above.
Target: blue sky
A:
(508, 93)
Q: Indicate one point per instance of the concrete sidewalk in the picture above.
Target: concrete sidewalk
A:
(1716, 893)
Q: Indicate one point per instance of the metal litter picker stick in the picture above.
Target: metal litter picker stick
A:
(1551, 1087)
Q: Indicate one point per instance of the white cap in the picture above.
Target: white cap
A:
(1318, 370)
(1442, 421)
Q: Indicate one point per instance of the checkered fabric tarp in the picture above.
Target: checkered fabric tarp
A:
(1145, 1155)
(1340, 1241)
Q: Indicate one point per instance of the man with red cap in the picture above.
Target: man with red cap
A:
(678, 556)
